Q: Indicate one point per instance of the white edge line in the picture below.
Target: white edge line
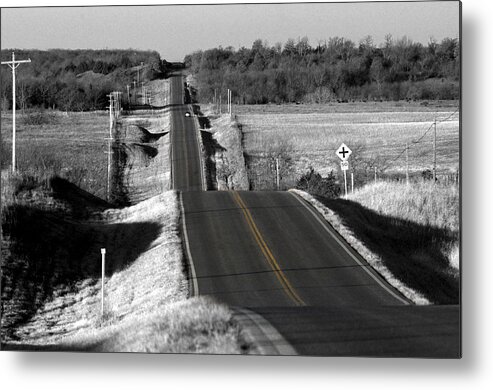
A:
(375, 277)
(279, 345)
(195, 285)
(172, 150)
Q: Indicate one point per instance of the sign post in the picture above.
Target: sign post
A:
(343, 153)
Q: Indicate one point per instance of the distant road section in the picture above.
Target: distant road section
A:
(185, 154)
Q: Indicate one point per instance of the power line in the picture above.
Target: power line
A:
(450, 116)
(422, 136)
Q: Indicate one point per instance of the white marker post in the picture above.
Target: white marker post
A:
(344, 168)
(343, 153)
(278, 176)
(103, 253)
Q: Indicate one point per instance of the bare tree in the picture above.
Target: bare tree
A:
(22, 95)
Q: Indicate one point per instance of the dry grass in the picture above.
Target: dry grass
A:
(197, 325)
(377, 131)
(73, 146)
(426, 204)
(160, 90)
(421, 202)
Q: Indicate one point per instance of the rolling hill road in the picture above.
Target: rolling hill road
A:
(294, 283)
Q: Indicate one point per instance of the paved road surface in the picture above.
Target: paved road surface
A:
(303, 286)
(186, 163)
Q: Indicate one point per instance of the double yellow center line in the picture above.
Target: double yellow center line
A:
(288, 288)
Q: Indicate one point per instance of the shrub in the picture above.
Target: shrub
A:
(5, 154)
(38, 161)
(39, 118)
(313, 183)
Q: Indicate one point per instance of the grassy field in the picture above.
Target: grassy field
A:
(376, 132)
(71, 145)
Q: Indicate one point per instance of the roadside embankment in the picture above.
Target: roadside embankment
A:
(433, 206)
(146, 307)
(412, 255)
(225, 162)
(141, 167)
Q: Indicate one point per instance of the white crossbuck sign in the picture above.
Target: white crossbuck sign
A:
(343, 152)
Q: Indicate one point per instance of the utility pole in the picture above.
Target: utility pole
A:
(435, 151)
(111, 111)
(375, 174)
(128, 94)
(230, 98)
(215, 99)
(278, 176)
(109, 149)
(143, 93)
(138, 69)
(13, 65)
(407, 163)
(352, 182)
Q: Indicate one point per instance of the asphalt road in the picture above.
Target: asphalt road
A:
(186, 162)
(271, 253)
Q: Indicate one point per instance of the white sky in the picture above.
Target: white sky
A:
(175, 31)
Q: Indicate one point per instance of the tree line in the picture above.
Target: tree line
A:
(336, 69)
(74, 80)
